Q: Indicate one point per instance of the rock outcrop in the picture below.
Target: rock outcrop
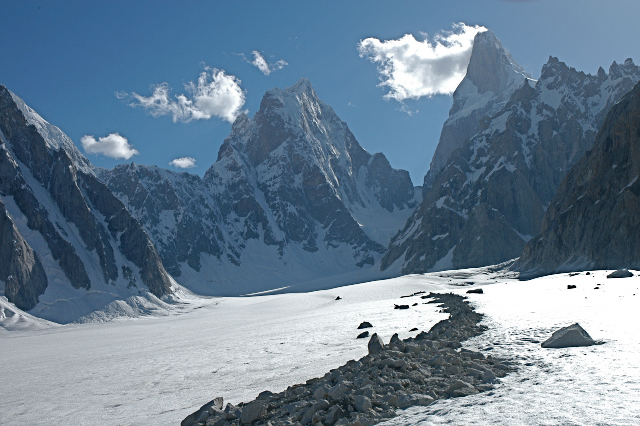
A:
(72, 233)
(594, 219)
(490, 198)
(292, 195)
(20, 267)
(404, 373)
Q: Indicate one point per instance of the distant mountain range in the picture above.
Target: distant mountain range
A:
(293, 198)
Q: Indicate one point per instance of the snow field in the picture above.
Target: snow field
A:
(597, 385)
(136, 371)
(129, 372)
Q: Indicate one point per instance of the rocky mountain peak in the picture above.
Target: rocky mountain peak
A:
(491, 195)
(492, 76)
(491, 67)
(293, 197)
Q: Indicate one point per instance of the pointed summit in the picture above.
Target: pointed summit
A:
(302, 85)
(491, 67)
(492, 77)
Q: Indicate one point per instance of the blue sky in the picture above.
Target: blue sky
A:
(69, 59)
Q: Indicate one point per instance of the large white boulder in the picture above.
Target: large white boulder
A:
(567, 337)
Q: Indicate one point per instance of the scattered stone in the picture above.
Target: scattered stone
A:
(570, 286)
(620, 273)
(415, 304)
(338, 298)
(566, 337)
(375, 344)
(414, 329)
(588, 273)
(365, 324)
(400, 306)
(363, 335)
(475, 291)
(596, 288)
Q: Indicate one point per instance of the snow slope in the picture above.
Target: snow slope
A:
(160, 369)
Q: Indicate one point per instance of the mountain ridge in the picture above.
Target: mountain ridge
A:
(490, 198)
(292, 197)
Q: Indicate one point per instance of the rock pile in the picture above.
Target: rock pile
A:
(403, 373)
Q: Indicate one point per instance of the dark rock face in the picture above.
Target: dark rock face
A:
(490, 198)
(83, 230)
(594, 219)
(20, 267)
(291, 189)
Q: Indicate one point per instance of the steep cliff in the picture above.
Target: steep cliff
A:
(594, 219)
(66, 221)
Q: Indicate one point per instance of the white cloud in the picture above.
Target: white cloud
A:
(114, 146)
(412, 69)
(261, 63)
(183, 162)
(215, 95)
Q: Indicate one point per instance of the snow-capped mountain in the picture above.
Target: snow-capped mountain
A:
(490, 198)
(594, 218)
(492, 77)
(68, 246)
(292, 197)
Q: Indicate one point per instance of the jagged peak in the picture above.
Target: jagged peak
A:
(491, 67)
(302, 85)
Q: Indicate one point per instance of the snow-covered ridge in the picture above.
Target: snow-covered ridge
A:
(53, 136)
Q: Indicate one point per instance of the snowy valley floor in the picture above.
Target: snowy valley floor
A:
(158, 370)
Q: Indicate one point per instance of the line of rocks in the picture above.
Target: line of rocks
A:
(404, 373)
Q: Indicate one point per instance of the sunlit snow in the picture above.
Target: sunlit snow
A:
(159, 369)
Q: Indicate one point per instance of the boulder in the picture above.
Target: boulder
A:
(365, 324)
(570, 286)
(475, 291)
(334, 414)
(488, 377)
(363, 335)
(321, 392)
(400, 306)
(252, 411)
(457, 385)
(620, 273)
(570, 336)
(264, 395)
(375, 345)
(414, 399)
(362, 403)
